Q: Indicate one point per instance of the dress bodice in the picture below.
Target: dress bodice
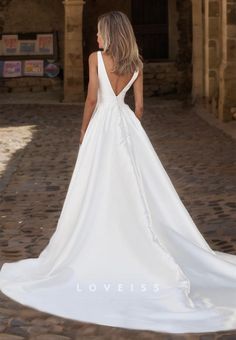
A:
(105, 91)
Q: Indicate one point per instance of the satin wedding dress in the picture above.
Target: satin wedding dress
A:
(125, 251)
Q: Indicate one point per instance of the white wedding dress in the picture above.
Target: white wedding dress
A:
(125, 251)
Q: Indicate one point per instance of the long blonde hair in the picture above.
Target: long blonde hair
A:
(120, 42)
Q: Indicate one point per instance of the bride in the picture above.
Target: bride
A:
(125, 251)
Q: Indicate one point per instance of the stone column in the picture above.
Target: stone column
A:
(223, 64)
(212, 53)
(197, 51)
(227, 70)
(206, 50)
(73, 53)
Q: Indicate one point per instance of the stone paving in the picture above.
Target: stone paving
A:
(39, 146)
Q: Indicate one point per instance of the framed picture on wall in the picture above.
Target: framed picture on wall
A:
(10, 44)
(37, 45)
(27, 47)
(12, 68)
(44, 44)
(29, 54)
(33, 68)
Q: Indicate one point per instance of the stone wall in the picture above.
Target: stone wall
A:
(160, 79)
(30, 84)
(32, 16)
(3, 7)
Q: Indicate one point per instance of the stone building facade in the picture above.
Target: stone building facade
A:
(194, 53)
(214, 55)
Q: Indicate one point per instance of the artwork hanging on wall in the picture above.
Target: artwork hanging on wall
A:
(52, 69)
(10, 44)
(27, 47)
(33, 68)
(31, 43)
(44, 44)
(29, 54)
(12, 68)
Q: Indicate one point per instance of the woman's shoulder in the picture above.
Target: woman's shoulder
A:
(92, 59)
(93, 54)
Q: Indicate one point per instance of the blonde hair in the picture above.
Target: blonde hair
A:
(120, 42)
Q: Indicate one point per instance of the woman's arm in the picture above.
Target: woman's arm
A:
(91, 99)
(138, 95)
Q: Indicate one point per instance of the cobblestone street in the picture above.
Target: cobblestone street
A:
(39, 146)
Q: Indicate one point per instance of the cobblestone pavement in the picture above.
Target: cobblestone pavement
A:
(39, 146)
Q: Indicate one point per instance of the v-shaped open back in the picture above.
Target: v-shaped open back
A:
(108, 80)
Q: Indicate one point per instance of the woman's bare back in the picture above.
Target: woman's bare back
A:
(118, 82)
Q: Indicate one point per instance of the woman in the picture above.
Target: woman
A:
(126, 58)
(125, 251)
